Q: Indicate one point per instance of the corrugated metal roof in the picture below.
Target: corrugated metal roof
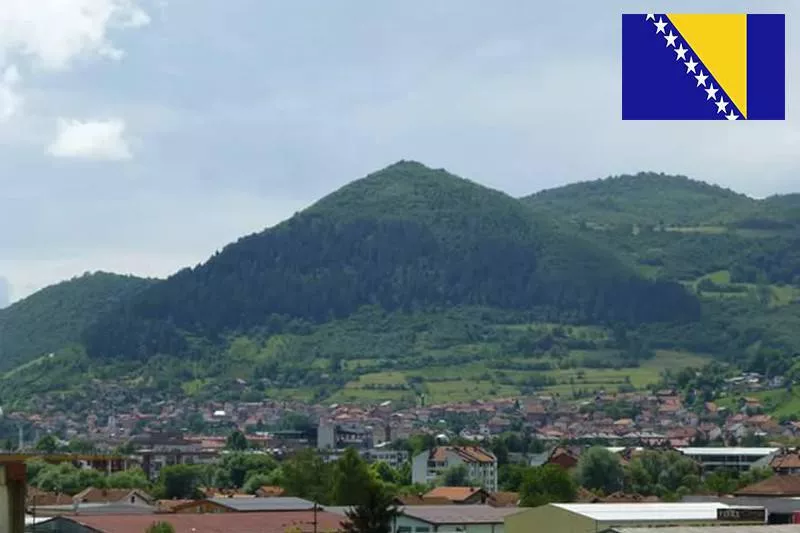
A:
(645, 512)
(278, 503)
(460, 514)
(712, 529)
(727, 450)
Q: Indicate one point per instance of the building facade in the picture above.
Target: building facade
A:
(480, 464)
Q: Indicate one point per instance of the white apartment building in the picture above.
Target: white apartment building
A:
(481, 464)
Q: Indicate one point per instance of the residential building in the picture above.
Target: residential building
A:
(481, 465)
(394, 458)
(337, 436)
(160, 449)
(459, 495)
(787, 462)
(786, 486)
(585, 517)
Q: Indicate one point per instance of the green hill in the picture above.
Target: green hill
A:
(405, 238)
(412, 281)
(645, 199)
(57, 315)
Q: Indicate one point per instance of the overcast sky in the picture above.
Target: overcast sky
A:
(139, 136)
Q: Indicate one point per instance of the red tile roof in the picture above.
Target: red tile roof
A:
(272, 522)
(786, 486)
(457, 494)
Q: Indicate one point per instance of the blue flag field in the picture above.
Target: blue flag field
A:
(703, 67)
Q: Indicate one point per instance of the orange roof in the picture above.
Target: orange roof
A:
(418, 499)
(454, 494)
(789, 460)
(270, 490)
(469, 454)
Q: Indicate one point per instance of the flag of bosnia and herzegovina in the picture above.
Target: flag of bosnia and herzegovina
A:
(703, 67)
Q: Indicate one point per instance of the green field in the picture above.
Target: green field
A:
(464, 382)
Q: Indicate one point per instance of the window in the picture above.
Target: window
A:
(403, 529)
(423, 529)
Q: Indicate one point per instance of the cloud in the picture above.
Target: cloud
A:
(10, 99)
(91, 140)
(54, 33)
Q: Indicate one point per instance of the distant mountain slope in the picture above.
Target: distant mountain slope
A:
(645, 198)
(406, 237)
(56, 316)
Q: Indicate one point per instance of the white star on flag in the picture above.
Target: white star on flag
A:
(712, 92)
(721, 105)
(681, 52)
(670, 38)
(701, 79)
(650, 16)
(691, 65)
(732, 116)
(660, 25)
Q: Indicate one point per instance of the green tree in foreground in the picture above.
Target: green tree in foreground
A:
(547, 484)
(599, 469)
(376, 514)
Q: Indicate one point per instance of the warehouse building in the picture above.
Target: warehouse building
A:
(598, 517)
(709, 529)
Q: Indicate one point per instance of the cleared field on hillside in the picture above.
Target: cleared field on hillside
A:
(477, 380)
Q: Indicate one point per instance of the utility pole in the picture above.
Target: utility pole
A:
(315, 515)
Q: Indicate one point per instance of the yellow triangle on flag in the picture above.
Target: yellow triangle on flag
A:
(720, 43)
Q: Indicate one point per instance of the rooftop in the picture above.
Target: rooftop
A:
(711, 529)
(645, 512)
(728, 450)
(460, 514)
(276, 503)
(212, 523)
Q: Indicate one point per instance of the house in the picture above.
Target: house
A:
(786, 486)
(275, 522)
(503, 499)
(337, 436)
(585, 517)
(245, 505)
(419, 499)
(127, 496)
(96, 501)
(460, 495)
(463, 518)
(480, 463)
(786, 463)
(269, 491)
(562, 457)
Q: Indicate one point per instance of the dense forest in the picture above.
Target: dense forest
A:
(405, 238)
(376, 288)
(55, 316)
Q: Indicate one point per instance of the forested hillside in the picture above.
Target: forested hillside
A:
(405, 238)
(57, 315)
(413, 282)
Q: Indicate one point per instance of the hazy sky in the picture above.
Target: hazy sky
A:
(142, 135)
